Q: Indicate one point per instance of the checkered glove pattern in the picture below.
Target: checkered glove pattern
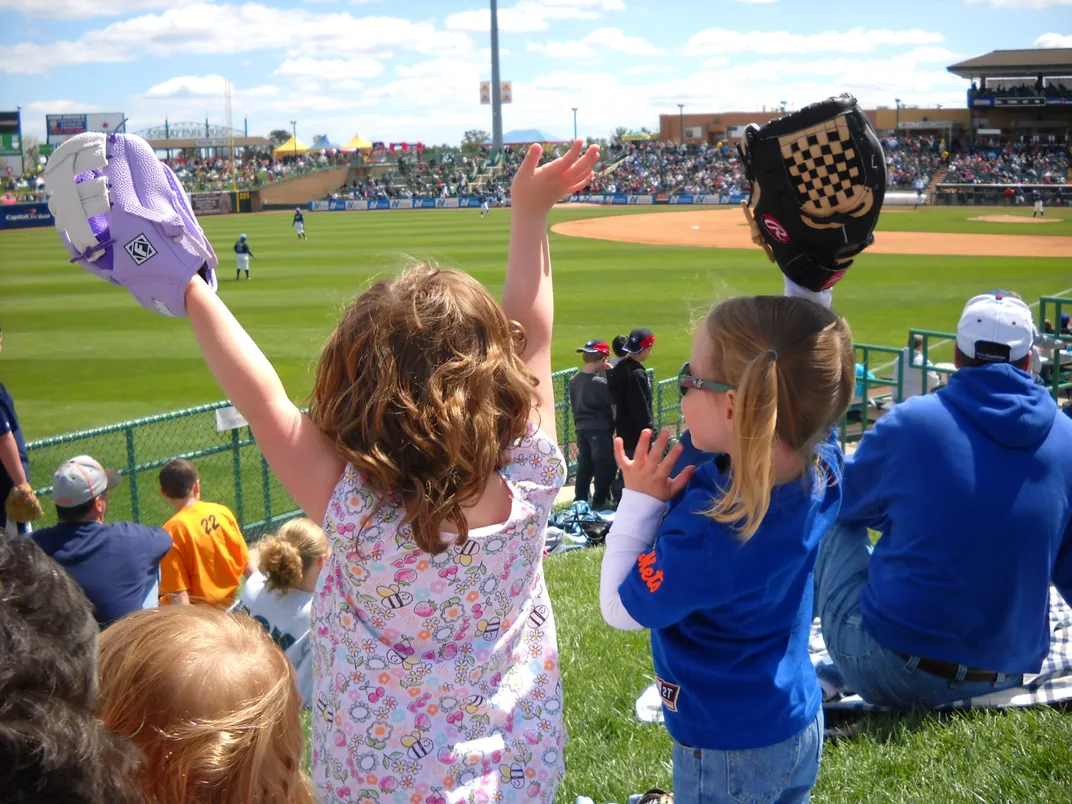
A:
(123, 215)
(818, 180)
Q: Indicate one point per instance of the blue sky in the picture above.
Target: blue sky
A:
(396, 71)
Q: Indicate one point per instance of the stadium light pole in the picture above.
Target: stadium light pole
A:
(294, 128)
(496, 86)
(575, 123)
(897, 101)
(681, 121)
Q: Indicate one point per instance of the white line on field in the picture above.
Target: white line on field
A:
(944, 341)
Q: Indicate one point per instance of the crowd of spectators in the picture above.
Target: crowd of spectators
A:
(911, 162)
(1023, 90)
(640, 167)
(1009, 164)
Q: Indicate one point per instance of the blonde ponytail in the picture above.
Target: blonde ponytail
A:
(755, 420)
(287, 556)
(791, 362)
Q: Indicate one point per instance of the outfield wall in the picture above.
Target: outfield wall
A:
(618, 200)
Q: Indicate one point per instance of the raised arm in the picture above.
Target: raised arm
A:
(527, 294)
(299, 454)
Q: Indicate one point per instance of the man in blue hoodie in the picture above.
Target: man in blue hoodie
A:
(117, 565)
(971, 490)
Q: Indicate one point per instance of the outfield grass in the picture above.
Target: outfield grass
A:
(79, 352)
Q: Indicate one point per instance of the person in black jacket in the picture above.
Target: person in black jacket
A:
(631, 388)
(593, 416)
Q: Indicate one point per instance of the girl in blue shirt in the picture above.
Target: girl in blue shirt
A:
(726, 590)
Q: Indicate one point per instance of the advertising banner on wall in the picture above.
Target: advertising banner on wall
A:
(61, 127)
(211, 203)
(10, 144)
(24, 216)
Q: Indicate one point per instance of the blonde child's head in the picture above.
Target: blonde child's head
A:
(211, 702)
(299, 548)
(783, 370)
(422, 388)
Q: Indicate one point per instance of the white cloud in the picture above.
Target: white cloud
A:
(205, 86)
(206, 28)
(601, 40)
(71, 9)
(716, 62)
(715, 41)
(646, 69)
(1053, 40)
(330, 68)
(61, 107)
(1021, 3)
(29, 58)
(532, 15)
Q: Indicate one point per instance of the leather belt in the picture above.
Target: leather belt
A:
(949, 670)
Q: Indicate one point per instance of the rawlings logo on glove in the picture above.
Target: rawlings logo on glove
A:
(123, 215)
(818, 180)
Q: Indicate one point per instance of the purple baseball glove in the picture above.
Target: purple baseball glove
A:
(123, 216)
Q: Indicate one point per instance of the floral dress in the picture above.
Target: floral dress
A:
(435, 678)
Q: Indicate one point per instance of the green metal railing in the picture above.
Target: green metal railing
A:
(234, 472)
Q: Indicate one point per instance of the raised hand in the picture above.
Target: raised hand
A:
(648, 472)
(537, 189)
(757, 236)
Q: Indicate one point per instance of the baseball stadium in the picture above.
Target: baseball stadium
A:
(928, 239)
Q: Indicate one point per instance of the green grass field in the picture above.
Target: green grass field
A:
(80, 353)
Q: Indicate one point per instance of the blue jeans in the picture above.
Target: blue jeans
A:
(784, 772)
(876, 674)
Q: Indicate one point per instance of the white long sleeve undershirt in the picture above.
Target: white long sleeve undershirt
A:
(637, 520)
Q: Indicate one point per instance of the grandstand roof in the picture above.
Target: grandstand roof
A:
(1000, 63)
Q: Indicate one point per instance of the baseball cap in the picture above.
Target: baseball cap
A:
(639, 340)
(81, 479)
(995, 328)
(595, 348)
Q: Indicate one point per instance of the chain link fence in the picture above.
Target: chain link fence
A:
(233, 470)
(234, 473)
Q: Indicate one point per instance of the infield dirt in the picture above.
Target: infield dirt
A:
(726, 228)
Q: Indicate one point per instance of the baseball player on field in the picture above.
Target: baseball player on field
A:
(484, 208)
(299, 223)
(1036, 196)
(242, 255)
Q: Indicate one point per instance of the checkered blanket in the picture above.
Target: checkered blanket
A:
(1052, 684)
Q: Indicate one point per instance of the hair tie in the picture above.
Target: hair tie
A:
(773, 353)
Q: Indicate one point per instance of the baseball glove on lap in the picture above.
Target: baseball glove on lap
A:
(818, 181)
(123, 215)
(22, 504)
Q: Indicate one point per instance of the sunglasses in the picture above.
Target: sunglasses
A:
(688, 381)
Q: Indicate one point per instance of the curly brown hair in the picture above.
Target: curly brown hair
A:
(422, 389)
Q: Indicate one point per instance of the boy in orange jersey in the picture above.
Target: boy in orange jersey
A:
(209, 556)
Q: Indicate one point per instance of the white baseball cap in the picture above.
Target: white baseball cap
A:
(996, 328)
(80, 480)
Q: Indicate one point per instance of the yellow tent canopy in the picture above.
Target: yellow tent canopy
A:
(291, 146)
(357, 143)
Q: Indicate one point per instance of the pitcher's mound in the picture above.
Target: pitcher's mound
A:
(1013, 219)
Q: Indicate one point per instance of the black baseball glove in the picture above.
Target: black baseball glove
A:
(818, 180)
